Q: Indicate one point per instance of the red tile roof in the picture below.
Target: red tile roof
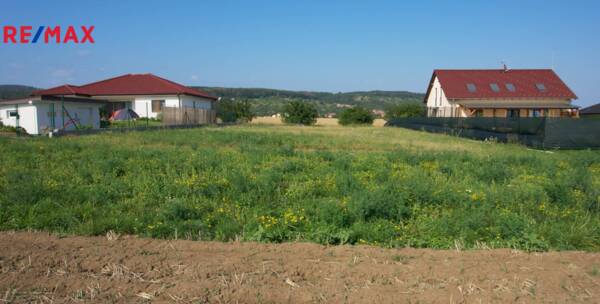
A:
(454, 83)
(66, 89)
(130, 84)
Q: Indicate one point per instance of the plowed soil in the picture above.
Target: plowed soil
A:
(40, 267)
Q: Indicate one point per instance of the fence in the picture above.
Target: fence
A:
(545, 133)
(188, 116)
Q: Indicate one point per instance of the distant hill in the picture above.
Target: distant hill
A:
(13, 91)
(270, 101)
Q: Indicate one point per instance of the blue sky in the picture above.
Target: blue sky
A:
(307, 45)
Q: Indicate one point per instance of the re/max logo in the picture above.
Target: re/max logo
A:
(47, 34)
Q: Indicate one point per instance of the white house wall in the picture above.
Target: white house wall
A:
(437, 100)
(27, 117)
(142, 105)
(196, 102)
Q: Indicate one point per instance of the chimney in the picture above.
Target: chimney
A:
(505, 67)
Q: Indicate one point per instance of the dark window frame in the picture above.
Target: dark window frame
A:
(510, 113)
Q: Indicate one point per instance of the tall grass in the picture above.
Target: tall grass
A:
(331, 185)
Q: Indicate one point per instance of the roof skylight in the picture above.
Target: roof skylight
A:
(510, 87)
(495, 87)
(541, 87)
(471, 87)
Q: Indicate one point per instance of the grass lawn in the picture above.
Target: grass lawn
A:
(331, 185)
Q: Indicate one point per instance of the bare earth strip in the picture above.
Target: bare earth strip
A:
(39, 267)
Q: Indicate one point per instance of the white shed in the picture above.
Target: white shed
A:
(42, 114)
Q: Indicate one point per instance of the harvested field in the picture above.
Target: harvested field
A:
(268, 120)
(39, 267)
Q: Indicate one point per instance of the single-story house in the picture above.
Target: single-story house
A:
(591, 112)
(146, 94)
(499, 93)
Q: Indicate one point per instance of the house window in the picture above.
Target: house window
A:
(157, 106)
(541, 87)
(471, 87)
(495, 87)
(478, 113)
(12, 113)
(512, 113)
(535, 113)
(510, 87)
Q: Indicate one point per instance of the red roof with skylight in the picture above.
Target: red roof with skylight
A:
(501, 84)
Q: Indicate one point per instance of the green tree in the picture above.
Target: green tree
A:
(409, 109)
(300, 113)
(230, 110)
(356, 116)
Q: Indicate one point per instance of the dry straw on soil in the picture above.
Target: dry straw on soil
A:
(37, 267)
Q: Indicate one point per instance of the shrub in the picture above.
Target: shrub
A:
(4, 128)
(300, 113)
(230, 110)
(11, 129)
(356, 116)
(104, 123)
(409, 109)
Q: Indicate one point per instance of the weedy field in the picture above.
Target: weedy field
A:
(389, 187)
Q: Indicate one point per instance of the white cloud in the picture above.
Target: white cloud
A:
(194, 77)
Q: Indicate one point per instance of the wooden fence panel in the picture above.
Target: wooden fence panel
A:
(188, 116)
